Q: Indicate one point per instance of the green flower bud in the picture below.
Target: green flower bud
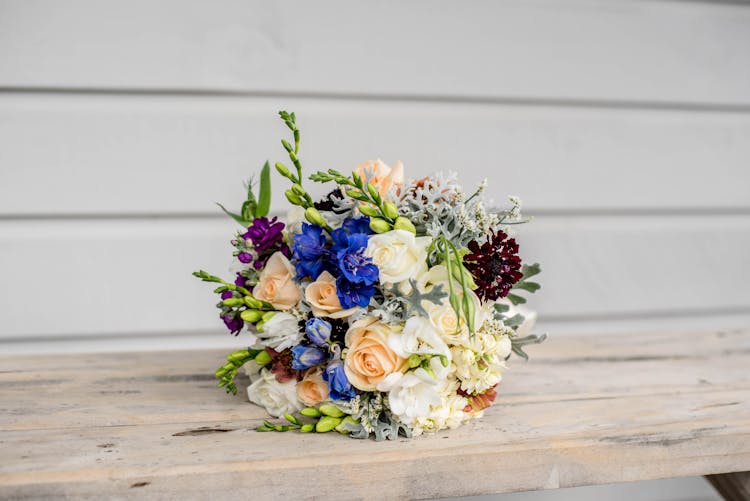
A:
(390, 210)
(444, 360)
(286, 145)
(310, 412)
(253, 303)
(341, 428)
(357, 195)
(379, 225)
(281, 168)
(292, 419)
(314, 217)
(263, 358)
(414, 360)
(238, 356)
(233, 301)
(326, 424)
(404, 224)
(374, 192)
(368, 210)
(268, 316)
(293, 198)
(307, 428)
(298, 190)
(251, 316)
(220, 371)
(331, 410)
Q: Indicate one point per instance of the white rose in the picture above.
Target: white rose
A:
(280, 332)
(277, 398)
(418, 336)
(398, 254)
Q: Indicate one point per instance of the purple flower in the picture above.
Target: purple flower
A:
(306, 357)
(351, 294)
(245, 257)
(267, 237)
(233, 323)
(339, 387)
(226, 294)
(318, 331)
(240, 280)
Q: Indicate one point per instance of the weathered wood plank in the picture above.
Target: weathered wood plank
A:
(584, 411)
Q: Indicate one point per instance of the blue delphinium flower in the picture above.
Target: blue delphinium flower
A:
(352, 262)
(353, 225)
(306, 357)
(318, 331)
(351, 294)
(310, 251)
(339, 387)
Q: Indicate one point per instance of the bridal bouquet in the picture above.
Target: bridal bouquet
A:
(387, 307)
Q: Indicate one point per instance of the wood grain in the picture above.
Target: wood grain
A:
(691, 52)
(584, 411)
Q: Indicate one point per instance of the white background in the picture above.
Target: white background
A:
(623, 125)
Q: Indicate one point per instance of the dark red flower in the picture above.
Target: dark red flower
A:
(495, 265)
(281, 365)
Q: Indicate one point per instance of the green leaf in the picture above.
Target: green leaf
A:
(514, 321)
(516, 299)
(501, 308)
(264, 195)
(240, 220)
(528, 286)
(529, 270)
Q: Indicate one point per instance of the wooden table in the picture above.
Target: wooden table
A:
(584, 411)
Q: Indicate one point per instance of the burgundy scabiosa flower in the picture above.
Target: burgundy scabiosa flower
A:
(495, 265)
(267, 237)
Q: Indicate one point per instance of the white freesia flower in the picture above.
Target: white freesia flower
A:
(277, 398)
(411, 395)
(252, 369)
(398, 254)
(294, 219)
(420, 337)
(280, 332)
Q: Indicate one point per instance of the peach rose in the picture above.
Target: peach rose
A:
(276, 283)
(312, 390)
(323, 299)
(384, 177)
(369, 359)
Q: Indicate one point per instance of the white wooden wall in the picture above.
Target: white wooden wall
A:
(624, 125)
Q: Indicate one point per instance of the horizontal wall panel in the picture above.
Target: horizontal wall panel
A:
(174, 155)
(133, 276)
(619, 50)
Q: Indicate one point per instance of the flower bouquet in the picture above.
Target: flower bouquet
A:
(386, 308)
